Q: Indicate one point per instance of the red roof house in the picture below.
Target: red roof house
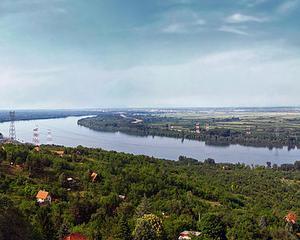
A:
(75, 236)
(291, 218)
(43, 197)
(187, 235)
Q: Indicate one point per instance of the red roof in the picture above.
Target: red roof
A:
(42, 195)
(291, 217)
(75, 236)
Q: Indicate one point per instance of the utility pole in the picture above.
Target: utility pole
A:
(49, 137)
(36, 135)
(12, 128)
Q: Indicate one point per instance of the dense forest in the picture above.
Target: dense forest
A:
(109, 195)
(44, 114)
(257, 131)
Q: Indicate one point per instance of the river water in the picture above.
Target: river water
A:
(65, 131)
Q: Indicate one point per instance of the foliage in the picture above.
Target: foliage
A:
(212, 226)
(13, 224)
(139, 197)
(148, 227)
(252, 129)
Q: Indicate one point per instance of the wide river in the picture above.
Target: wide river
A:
(65, 131)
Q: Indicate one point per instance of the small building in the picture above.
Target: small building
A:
(187, 235)
(60, 153)
(37, 148)
(197, 127)
(122, 197)
(94, 176)
(248, 131)
(75, 236)
(291, 218)
(43, 197)
(226, 167)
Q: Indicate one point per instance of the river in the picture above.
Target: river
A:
(65, 131)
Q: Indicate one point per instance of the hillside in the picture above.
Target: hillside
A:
(110, 195)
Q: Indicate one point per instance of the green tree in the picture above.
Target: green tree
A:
(62, 180)
(148, 227)
(2, 154)
(13, 225)
(123, 230)
(34, 164)
(81, 210)
(45, 224)
(63, 231)
(143, 208)
(245, 228)
(212, 226)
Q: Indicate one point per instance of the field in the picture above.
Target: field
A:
(268, 128)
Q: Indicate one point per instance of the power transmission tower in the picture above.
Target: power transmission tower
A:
(49, 137)
(12, 128)
(277, 130)
(197, 127)
(36, 135)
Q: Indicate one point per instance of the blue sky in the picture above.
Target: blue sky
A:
(149, 53)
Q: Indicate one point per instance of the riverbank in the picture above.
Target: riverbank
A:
(222, 131)
(27, 115)
(66, 131)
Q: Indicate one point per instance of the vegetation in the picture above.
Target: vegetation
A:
(139, 197)
(43, 114)
(263, 129)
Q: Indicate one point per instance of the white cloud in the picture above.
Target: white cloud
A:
(250, 77)
(235, 30)
(288, 6)
(183, 27)
(253, 3)
(242, 77)
(180, 21)
(240, 18)
(174, 28)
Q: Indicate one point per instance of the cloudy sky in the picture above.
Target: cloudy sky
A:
(149, 53)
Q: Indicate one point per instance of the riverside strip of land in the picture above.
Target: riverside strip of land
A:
(266, 127)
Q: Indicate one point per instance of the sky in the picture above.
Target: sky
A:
(149, 53)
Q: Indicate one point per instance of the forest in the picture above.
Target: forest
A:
(272, 130)
(109, 195)
(22, 115)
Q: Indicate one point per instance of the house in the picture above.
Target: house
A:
(94, 176)
(75, 236)
(37, 148)
(291, 218)
(187, 235)
(122, 197)
(43, 197)
(226, 167)
(59, 152)
(197, 127)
